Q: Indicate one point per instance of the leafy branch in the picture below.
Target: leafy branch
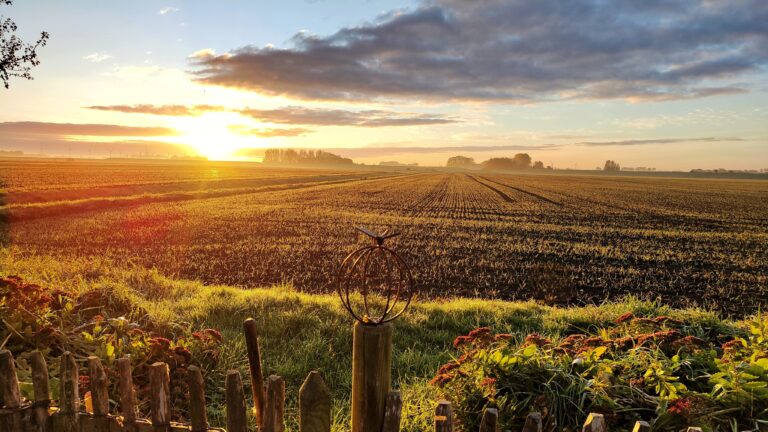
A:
(17, 58)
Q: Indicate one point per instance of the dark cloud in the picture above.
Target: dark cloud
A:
(63, 129)
(166, 110)
(657, 141)
(514, 50)
(294, 115)
(336, 117)
(269, 132)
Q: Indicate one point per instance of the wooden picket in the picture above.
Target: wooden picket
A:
(37, 415)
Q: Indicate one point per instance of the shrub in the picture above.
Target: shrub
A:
(658, 369)
(98, 322)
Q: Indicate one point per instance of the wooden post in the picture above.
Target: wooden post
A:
(42, 391)
(371, 375)
(443, 417)
(197, 413)
(69, 394)
(314, 405)
(490, 421)
(236, 408)
(99, 394)
(533, 423)
(393, 412)
(641, 426)
(254, 366)
(595, 423)
(127, 394)
(10, 397)
(275, 405)
(160, 400)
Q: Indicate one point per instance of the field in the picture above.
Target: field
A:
(178, 247)
(561, 239)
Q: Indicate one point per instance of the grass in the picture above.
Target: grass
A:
(303, 332)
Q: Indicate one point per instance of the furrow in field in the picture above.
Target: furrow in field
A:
(527, 192)
(58, 208)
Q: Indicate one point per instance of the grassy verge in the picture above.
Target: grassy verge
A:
(301, 332)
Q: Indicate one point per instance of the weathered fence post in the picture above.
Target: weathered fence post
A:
(127, 394)
(69, 394)
(371, 374)
(490, 420)
(314, 405)
(99, 394)
(236, 408)
(641, 426)
(443, 417)
(42, 390)
(274, 411)
(533, 423)
(160, 399)
(197, 413)
(393, 412)
(254, 365)
(595, 423)
(9, 392)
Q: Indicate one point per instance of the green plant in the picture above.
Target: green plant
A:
(649, 367)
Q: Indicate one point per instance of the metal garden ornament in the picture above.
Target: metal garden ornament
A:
(380, 276)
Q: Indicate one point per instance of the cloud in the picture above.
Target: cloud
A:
(514, 51)
(63, 129)
(97, 57)
(203, 54)
(336, 117)
(269, 132)
(294, 115)
(166, 110)
(167, 10)
(657, 141)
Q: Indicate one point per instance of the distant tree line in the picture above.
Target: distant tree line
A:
(730, 171)
(303, 157)
(611, 166)
(397, 164)
(639, 169)
(520, 161)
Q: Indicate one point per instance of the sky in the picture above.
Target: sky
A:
(669, 84)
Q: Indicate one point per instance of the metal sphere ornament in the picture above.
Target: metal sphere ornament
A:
(381, 278)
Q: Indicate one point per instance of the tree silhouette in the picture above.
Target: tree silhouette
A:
(611, 166)
(460, 162)
(303, 157)
(16, 57)
(518, 162)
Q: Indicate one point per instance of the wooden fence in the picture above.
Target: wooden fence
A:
(91, 414)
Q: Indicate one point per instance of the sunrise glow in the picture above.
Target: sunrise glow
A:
(211, 135)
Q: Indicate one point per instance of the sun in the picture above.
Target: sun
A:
(210, 135)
